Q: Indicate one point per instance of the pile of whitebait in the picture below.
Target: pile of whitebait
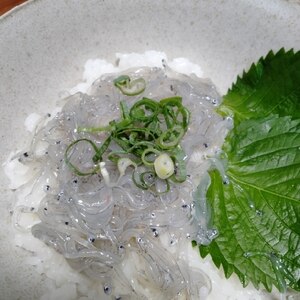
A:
(115, 217)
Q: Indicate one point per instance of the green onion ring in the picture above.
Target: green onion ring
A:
(73, 167)
(149, 104)
(140, 185)
(142, 178)
(165, 142)
(147, 151)
(128, 87)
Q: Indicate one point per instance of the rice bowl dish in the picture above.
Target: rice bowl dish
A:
(138, 232)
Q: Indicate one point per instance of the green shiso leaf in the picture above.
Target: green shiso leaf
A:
(258, 212)
(272, 86)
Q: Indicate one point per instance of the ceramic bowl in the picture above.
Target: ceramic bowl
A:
(45, 43)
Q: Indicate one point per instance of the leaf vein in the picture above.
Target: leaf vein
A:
(261, 189)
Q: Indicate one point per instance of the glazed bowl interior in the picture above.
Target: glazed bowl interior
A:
(45, 43)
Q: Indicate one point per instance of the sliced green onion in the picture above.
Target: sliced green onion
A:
(171, 137)
(133, 137)
(139, 147)
(138, 183)
(164, 166)
(144, 110)
(185, 115)
(127, 131)
(125, 123)
(93, 129)
(171, 115)
(114, 156)
(124, 110)
(146, 153)
(148, 178)
(142, 145)
(121, 80)
(154, 126)
(75, 169)
(171, 101)
(100, 151)
(128, 138)
(124, 144)
(149, 128)
(130, 87)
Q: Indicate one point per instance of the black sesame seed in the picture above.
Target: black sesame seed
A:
(26, 154)
(205, 145)
(48, 115)
(32, 209)
(67, 223)
(47, 187)
(45, 208)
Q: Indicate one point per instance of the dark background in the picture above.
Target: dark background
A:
(6, 5)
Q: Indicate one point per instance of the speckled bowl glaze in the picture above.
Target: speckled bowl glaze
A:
(45, 43)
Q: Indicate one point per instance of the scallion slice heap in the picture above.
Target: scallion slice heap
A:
(148, 134)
